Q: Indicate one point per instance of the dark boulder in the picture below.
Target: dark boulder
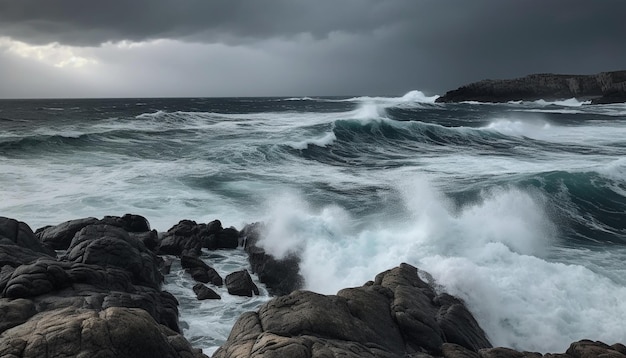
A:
(15, 312)
(107, 245)
(150, 239)
(20, 234)
(394, 316)
(240, 284)
(114, 332)
(222, 239)
(502, 352)
(13, 255)
(184, 238)
(200, 271)
(60, 236)
(205, 293)
(457, 323)
(451, 350)
(591, 349)
(128, 222)
(281, 276)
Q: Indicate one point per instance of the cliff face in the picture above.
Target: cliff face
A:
(605, 87)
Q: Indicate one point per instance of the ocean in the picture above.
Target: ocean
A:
(517, 208)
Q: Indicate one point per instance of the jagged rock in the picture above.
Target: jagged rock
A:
(200, 271)
(590, 349)
(457, 323)
(186, 238)
(223, 239)
(15, 312)
(150, 239)
(451, 350)
(280, 276)
(501, 352)
(13, 255)
(129, 222)
(397, 315)
(605, 87)
(619, 347)
(240, 283)
(20, 234)
(113, 332)
(51, 284)
(60, 236)
(107, 245)
(205, 293)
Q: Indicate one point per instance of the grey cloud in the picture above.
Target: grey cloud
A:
(343, 47)
(79, 22)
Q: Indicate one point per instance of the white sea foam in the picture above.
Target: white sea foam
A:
(536, 128)
(323, 141)
(410, 97)
(207, 323)
(492, 253)
(571, 102)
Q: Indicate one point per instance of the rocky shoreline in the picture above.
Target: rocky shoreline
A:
(93, 287)
(601, 88)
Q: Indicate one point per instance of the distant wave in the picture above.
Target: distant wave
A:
(299, 99)
(414, 96)
(572, 102)
(322, 141)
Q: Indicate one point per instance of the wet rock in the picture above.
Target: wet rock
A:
(223, 239)
(150, 239)
(240, 284)
(20, 234)
(186, 238)
(13, 255)
(591, 349)
(458, 325)
(113, 332)
(129, 222)
(397, 315)
(200, 271)
(205, 293)
(107, 245)
(280, 276)
(501, 352)
(15, 312)
(451, 350)
(60, 236)
(619, 347)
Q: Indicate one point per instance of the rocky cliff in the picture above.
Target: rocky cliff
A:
(602, 88)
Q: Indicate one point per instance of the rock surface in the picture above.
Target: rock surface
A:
(240, 284)
(397, 315)
(605, 87)
(205, 293)
(280, 276)
(103, 298)
(88, 333)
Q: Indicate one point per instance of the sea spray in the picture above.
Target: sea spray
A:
(488, 252)
(523, 219)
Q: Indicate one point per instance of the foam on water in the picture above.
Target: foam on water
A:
(571, 102)
(520, 127)
(207, 324)
(492, 253)
(323, 141)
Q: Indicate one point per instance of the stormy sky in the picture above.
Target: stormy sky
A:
(200, 48)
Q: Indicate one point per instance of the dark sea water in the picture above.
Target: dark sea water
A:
(518, 208)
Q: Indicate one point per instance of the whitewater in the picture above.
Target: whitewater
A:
(517, 208)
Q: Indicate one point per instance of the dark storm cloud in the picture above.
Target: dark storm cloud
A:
(79, 22)
(349, 46)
